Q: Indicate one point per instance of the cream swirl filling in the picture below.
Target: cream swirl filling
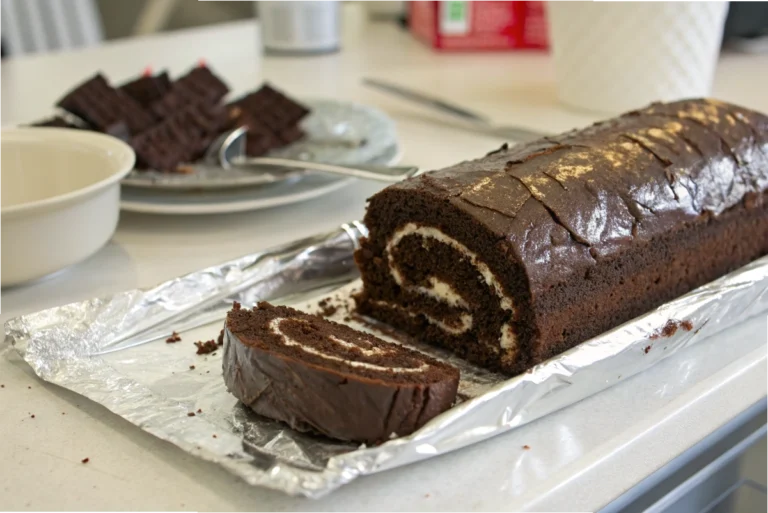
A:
(465, 319)
(445, 292)
(274, 327)
(434, 233)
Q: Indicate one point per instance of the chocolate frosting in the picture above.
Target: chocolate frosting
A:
(562, 202)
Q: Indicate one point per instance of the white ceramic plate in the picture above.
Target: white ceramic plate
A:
(328, 119)
(224, 201)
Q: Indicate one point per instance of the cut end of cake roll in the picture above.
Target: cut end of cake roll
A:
(440, 276)
(515, 257)
(321, 376)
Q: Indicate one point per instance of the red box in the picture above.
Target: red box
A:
(479, 25)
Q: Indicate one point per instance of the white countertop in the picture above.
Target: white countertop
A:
(580, 458)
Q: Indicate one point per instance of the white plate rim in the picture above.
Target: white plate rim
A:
(224, 207)
(146, 182)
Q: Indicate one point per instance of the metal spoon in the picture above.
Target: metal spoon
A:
(228, 151)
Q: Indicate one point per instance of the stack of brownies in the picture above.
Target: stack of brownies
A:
(169, 123)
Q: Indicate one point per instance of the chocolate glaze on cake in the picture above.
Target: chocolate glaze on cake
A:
(317, 375)
(515, 257)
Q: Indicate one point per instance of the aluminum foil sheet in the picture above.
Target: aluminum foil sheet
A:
(113, 350)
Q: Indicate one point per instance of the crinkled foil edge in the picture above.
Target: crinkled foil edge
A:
(65, 345)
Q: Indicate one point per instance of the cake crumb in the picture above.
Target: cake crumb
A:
(191, 414)
(214, 435)
(670, 328)
(199, 410)
(173, 338)
(185, 170)
(326, 308)
(647, 348)
(32, 416)
(527, 447)
(29, 387)
(63, 413)
(206, 347)
(2, 386)
(220, 339)
(85, 460)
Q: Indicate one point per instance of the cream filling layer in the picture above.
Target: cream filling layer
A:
(434, 233)
(274, 327)
(445, 292)
(465, 318)
(507, 338)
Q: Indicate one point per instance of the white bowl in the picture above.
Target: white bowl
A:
(60, 198)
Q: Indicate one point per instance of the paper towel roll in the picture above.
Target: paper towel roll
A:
(613, 57)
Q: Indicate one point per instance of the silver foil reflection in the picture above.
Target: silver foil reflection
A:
(113, 351)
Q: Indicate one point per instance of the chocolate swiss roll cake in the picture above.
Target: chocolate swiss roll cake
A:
(520, 255)
(320, 376)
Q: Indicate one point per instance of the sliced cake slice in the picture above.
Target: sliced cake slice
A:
(321, 376)
(103, 107)
(200, 85)
(148, 88)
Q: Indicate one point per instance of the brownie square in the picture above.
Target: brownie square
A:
(147, 89)
(103, 107)
(200, 85)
